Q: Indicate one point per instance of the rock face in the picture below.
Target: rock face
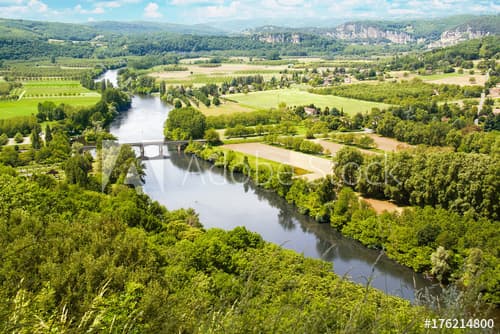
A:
(354, 31)
(275, 38)
(382, 32)
(452, 37)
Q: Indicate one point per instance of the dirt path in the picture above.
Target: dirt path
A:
(388, 144)
(380, 206)
(319, 167)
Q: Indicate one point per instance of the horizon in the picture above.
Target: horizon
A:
(291, 13)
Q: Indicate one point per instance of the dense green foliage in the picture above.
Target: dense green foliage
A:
(284, 128)
(465, 183)
(402, 93)
(80, 260)
(245, 119)
(412, 236)
(11, 126)
(295, 143)
(24, 39)
(185, 123)
(457, 128)
(460, 55)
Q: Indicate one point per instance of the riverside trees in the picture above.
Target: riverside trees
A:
(185, 123)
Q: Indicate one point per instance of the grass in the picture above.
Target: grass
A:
(58, 91)
(462, 79)
(26, 107)
(40, 88)
(252, 161)
(214, 78)
(226, 107)
(271, 99)
(197, 74)
(440, 76)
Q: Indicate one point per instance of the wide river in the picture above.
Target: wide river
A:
(225, 201)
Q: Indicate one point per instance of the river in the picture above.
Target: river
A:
(111, 76)
(225, 201)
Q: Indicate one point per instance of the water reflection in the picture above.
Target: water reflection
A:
(226, 201)
(111, 76)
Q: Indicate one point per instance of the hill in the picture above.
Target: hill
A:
(153, 27)
(441, 31)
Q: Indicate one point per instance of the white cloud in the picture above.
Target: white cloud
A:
(97, 10)
(197, 2)
(234, 8)
(11, 2)
(292, 2)
(38, 6)
(109, 4)
(17, 8)
(152, 11)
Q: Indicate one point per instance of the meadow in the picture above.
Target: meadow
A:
(58, 91)
(295, 97)
(226, 107)
(455, 78)
(26, 107)
(52, 88)
(199, 74)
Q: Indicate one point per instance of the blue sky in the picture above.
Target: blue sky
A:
(201, 11)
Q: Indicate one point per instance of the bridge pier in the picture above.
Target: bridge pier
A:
(141, 149)
(161, 150)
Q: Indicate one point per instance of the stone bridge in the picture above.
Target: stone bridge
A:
(179, 144)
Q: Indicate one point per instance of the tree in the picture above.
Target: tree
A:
(77, 169)
(348, 162)
(18, 138)
(366, 142)
(9, 156)
(185, 123)
(440, 265)
(48, 134)
(216, 101)
(177, 104)
(3, 139)
(163, 88)
(35, 139)
(212, 136)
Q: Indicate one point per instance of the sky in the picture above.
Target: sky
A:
(206, 11)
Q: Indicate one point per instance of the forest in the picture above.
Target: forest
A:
(75, 260)
(412, 237)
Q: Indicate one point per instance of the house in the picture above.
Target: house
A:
(310, 111)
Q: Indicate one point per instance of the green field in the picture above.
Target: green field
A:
(58, 91)
(26, 107)
(294, 97)
(40, 88)
(440, 76)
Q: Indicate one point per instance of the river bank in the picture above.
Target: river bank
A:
(224, 201)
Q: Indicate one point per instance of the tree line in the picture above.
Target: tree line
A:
(422, 237)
